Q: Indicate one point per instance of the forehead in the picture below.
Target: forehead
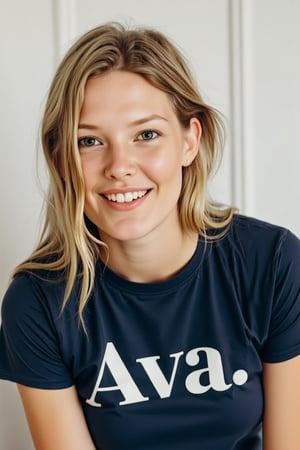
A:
(123, 92)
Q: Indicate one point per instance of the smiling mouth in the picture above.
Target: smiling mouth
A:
(125, 198)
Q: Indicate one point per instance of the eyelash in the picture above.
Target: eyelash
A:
(148, 131)
(90, 141)
(83, 142)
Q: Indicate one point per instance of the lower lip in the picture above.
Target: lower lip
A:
(126, 206)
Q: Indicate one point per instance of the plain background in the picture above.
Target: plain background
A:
(245, 57)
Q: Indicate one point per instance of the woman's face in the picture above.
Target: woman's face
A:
(132, 150)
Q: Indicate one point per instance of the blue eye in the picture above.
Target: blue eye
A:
(148, 135)
(88, 141)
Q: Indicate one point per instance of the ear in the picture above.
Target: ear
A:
(192, 142)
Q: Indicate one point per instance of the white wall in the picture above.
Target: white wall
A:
(27, 61)
(245, 54)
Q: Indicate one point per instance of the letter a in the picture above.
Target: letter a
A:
(125, 382)
(214, 370)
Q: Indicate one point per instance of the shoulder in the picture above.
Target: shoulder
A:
(30, 292)
(30, 342)
(259, 238)
(253, 228)
(37, 281)
(257, 254)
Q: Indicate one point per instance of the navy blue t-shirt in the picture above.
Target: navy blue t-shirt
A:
(175, 365)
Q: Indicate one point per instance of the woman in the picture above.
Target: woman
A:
(149, 317)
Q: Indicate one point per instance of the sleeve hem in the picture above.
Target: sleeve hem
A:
(281, 357)
(38, 384)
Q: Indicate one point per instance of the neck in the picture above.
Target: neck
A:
(150, 259)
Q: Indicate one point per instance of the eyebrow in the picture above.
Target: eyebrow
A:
(140, 121)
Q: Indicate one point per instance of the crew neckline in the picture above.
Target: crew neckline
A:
(108, 276)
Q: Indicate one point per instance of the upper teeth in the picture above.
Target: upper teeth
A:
(127, 197)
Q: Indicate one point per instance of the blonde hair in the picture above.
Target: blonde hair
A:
(69, 242)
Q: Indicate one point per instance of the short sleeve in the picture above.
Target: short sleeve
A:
(29, 346)
(283, 341)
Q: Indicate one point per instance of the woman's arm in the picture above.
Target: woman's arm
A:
(281, 423)
(55, 419)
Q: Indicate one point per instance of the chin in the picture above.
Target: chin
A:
(130, 232)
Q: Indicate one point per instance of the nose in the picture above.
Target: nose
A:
(120, 162)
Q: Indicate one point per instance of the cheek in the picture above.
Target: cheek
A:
(89, 172)
(164, 164)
